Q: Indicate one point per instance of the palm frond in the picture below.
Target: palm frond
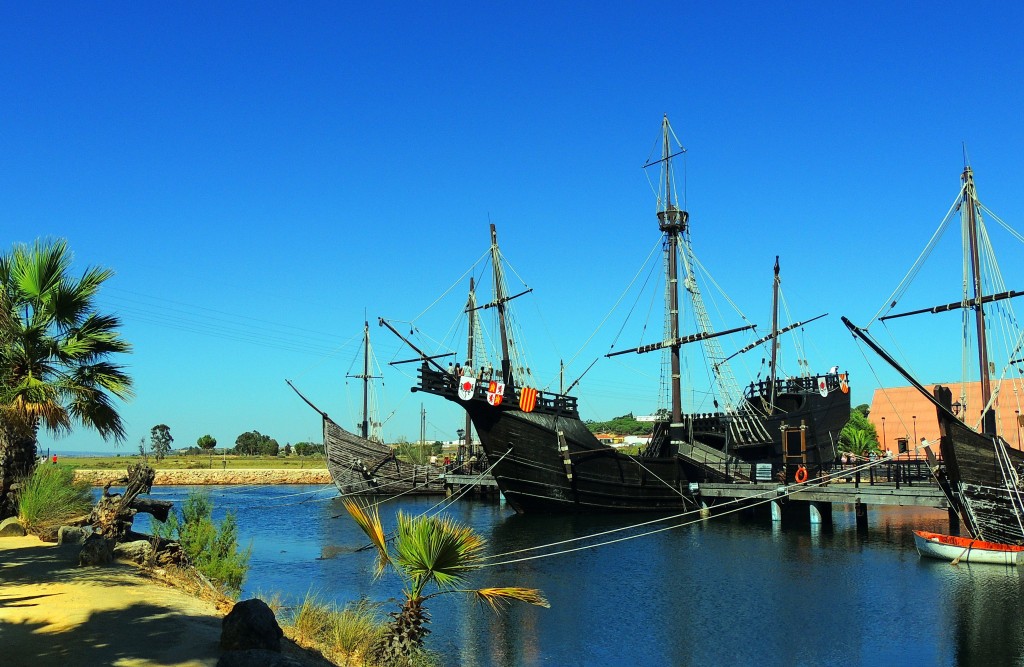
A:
(368, 519)
(54, 361)
(34, 400)
(498, 598)
(436, 549)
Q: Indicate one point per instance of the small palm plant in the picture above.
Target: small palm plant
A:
(427, 551)
(859, 442)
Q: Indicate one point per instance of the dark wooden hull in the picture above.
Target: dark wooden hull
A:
(533, 475)
(797, 403)
(548, 460)
(363, 467)
(983, 473)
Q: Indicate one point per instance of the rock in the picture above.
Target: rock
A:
(251, 624)
(139, 551)
(72, 535)
(95, 551)
(256, 657)
(11, 527)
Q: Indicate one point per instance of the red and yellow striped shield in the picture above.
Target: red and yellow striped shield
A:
(527, 399)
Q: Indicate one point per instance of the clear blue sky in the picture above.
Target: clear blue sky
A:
(261, 176)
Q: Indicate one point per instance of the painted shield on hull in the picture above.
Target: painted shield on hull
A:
(822, 387)
(495, 392)
(467, 386)
(527, 399)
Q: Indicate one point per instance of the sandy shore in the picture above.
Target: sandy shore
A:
(218, 476)
(53, 612)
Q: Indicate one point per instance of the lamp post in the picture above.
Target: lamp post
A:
(883, 433)
(914, 417)
(1017, 413)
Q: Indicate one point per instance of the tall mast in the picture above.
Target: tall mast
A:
(364, 426)
(471, 310)
(773, 373)
(970, 217)
(672, 221)
(366, 376)
(499, 302)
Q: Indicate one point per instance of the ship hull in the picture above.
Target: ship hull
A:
(363, 467)
(821, 418)
(547, 462)
(983, 473)
(546, 459)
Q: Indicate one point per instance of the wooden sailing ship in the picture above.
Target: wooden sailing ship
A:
(362, 464)
(544, 457)
(980, 471)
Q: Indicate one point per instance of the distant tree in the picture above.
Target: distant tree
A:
(864, 409)
(287, 449)
(160, 440)
(308, 448)
(251, 443)
(142, 447)
(248, 444)
(624, 425)
(207, 442)
(269, 447)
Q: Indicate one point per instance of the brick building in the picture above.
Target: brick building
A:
(902, 416)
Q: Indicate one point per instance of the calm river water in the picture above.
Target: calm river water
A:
(729, 591)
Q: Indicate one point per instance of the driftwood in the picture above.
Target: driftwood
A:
(114, 513)
(111, 519)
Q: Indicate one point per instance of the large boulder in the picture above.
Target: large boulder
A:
(251, 624)
(11, 527)
(72, 535)
(96, 551)
(139, 551)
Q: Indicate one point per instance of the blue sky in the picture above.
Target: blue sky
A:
(261, 177)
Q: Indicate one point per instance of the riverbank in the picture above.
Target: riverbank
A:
(213, 476)
(53, 612)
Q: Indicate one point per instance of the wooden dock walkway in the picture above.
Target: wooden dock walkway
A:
(919, 495)
(470, 486)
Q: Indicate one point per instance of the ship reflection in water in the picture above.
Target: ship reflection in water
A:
(728, 591)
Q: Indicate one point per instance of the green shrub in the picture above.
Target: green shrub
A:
(51, 496)
(211, 549)
(343, 635)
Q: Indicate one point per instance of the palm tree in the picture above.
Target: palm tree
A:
(54, 356)
(859, 442)
(427, 551)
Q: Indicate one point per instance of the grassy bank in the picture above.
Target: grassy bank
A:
(198, 462)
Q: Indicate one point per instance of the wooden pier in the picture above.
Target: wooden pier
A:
(813, 503)
(479, 486)
(922, 495)
(903, 483)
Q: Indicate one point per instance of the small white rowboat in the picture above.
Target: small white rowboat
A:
(964, 549)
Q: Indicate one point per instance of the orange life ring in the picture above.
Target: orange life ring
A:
(801, 475)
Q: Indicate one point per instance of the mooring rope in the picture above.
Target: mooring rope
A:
(743, 503)
(444, 504)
